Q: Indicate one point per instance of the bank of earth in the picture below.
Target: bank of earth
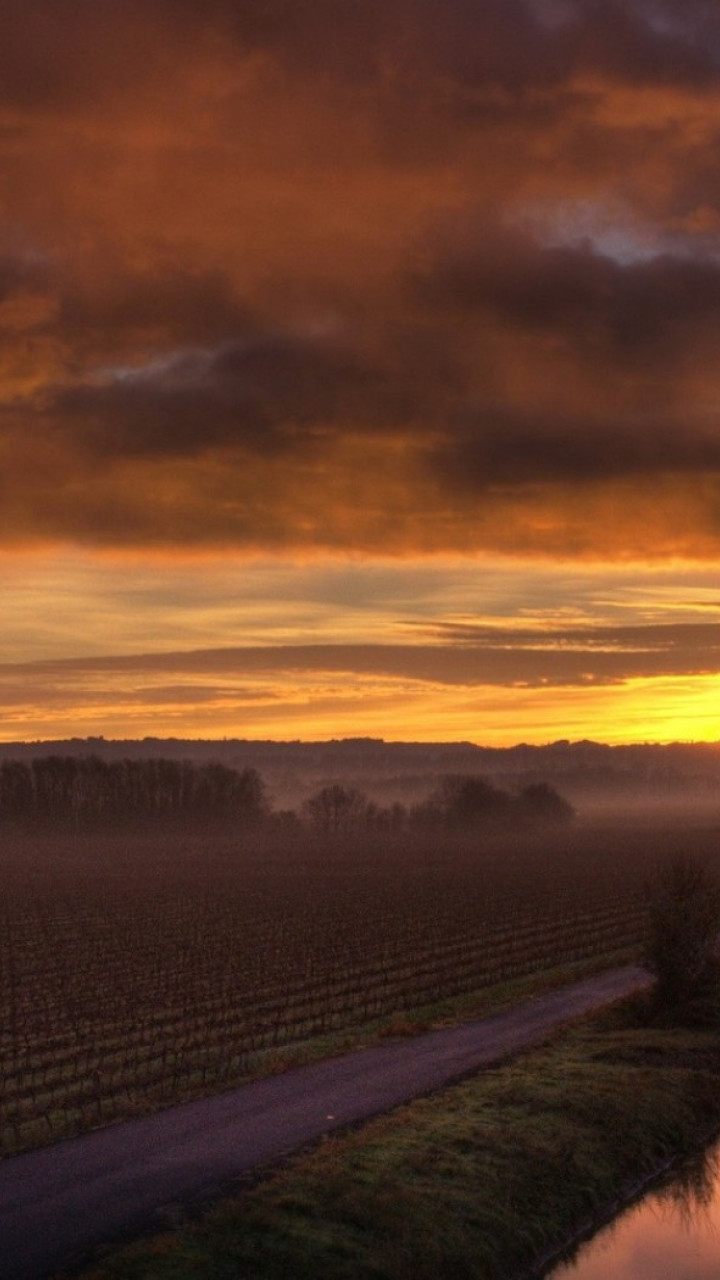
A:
(482, 1181)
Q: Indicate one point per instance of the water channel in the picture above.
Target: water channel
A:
(672, 1233)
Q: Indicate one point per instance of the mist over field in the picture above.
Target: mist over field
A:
(177, 917)
(359, 403)
(599, 780)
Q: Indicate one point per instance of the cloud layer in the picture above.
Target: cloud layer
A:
(361, 276)
(622, 684)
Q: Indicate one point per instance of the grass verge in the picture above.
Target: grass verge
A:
(476, 1182)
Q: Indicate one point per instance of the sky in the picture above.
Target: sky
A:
(359, 369)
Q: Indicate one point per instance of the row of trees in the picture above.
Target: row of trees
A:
(461, 802)
(85, 791)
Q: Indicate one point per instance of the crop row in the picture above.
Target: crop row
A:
(102, 1078)
(131, 977)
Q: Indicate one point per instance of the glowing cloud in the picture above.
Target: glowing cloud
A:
(344, 283)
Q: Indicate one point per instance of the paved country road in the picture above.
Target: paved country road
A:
(57, 1203)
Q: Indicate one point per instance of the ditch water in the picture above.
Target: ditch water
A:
(672, 1233)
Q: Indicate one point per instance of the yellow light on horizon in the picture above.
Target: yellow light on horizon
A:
(314, 706)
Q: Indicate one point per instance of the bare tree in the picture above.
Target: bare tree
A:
(336, 810)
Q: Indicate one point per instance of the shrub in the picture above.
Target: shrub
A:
(682, 931)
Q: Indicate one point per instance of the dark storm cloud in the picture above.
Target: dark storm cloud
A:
(178, 414)
(371, 39)
(648, 316)
(72, 53)
(266, 393)
(647, 310)
(473, 42)
(275, 393)
(627, 42)
(162, 305)
(20, 272)
(304, 272)
(697, 21)
(498, 447)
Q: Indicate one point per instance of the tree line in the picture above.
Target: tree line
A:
(84, 791)
(80, 792)
(460, 802)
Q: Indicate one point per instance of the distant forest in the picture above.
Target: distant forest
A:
(591, 776)
(86, 793)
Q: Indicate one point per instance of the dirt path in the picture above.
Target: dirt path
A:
(57, 1203)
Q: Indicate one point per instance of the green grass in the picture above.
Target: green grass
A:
(473, 1183)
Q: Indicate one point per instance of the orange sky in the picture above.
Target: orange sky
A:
(361, 359)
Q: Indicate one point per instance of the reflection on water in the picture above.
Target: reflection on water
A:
(673, 1233)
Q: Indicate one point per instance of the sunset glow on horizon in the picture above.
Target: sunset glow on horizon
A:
(359, 370)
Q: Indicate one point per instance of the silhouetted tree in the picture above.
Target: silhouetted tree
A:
(85, 791)
(336, 810)
(54, 782)
(464, 800)
(683, 920)
(16, 790)
(541, 804)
